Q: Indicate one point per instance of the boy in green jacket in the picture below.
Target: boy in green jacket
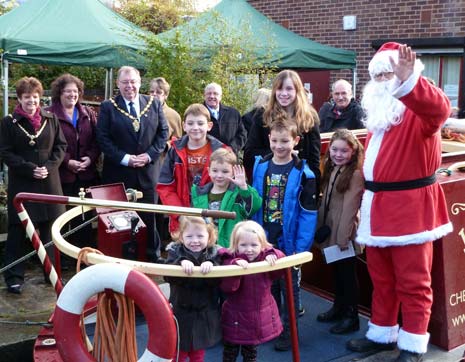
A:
(228, 191)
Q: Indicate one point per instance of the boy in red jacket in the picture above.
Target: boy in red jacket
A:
(187, 160)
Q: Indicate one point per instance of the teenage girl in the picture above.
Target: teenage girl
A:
(250, 315)
(195, 301)
(342, 187)
(288, 101)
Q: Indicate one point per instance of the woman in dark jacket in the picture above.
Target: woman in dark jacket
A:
(78, 123)
(288, 101)
(261, 99)
(32, 145)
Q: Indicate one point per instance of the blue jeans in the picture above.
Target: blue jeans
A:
(278, 289)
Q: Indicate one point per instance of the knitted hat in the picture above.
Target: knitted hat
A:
(380, 62)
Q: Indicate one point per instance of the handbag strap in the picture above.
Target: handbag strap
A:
(328, 195)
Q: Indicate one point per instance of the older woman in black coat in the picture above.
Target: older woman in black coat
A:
(32, 145)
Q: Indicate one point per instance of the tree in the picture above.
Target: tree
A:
(155, 15)
(7, 5)
(93, 78)
(228, 60)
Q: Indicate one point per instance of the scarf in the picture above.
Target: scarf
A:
(35, 119)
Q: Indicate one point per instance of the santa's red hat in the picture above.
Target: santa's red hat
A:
(380, 62)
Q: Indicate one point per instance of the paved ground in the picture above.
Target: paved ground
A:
(21, 316)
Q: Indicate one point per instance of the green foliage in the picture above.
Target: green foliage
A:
(227, 59)
(93, 78)
(7, 5)
(155, 15)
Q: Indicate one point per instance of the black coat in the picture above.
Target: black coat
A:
(116, 138)
(22, 158)
(258, 143)
(195, 300)
(350, 117)
(229, 128)
(247, 118)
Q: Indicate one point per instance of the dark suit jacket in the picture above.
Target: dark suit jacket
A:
(231, 129)
(116, 138)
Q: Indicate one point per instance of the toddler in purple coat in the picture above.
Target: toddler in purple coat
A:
(250, 315)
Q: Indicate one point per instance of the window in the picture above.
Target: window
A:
(445, 71)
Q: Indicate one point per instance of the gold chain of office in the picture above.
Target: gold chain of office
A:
(32, 137)
(135, 120)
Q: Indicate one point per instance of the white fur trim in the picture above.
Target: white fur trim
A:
(364, 228)
(382, 334)
(371, 154)
(364, 237)
(417, 343)
(407, 86)
(380, 62)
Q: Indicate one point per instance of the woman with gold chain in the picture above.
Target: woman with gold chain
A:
(32, 145)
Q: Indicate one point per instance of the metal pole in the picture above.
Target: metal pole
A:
(354, 82)
(107, 74)
(5, 84)
(108, 83)
(292, 316)
(111, 84)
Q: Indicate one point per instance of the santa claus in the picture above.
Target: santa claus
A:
(403, 208)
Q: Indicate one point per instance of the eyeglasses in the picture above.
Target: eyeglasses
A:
(386, 75)
(70, 91)
(131, 82)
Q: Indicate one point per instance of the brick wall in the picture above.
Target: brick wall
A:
(321, 20)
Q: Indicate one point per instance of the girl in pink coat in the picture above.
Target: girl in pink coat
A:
(250, 315)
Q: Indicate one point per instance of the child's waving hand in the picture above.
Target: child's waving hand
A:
(239, 177)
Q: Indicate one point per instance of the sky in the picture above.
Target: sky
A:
(202, 5)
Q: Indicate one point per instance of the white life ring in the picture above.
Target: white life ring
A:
(147, 296)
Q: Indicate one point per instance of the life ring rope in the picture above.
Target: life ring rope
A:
(132, 283)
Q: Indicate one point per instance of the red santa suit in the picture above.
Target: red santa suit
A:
(398, 227)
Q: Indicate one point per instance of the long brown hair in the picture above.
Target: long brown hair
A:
(304, 115)
(355, 162)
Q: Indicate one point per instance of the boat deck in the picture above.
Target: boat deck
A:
(316, 343)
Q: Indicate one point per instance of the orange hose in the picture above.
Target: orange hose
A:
(114, 340)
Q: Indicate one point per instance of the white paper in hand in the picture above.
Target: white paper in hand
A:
(333, 253)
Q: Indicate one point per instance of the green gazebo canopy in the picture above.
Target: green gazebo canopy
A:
(272, 43)
(69, 32)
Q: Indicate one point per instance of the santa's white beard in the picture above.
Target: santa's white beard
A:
(382, 109)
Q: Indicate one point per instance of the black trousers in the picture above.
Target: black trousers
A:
(153, 239)
(346, 282)
(231, 351)
(17, 245)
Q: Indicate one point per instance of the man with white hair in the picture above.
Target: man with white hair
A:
(403, 208)
(227, 121)
(343, 112)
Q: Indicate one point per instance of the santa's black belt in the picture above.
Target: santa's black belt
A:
(400, 185)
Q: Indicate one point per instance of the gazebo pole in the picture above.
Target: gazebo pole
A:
(5, 84)
(354, 82)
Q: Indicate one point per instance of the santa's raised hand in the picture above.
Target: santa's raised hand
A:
(239, 178)
(403, 69)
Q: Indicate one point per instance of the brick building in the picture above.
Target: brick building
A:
(434, 28)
